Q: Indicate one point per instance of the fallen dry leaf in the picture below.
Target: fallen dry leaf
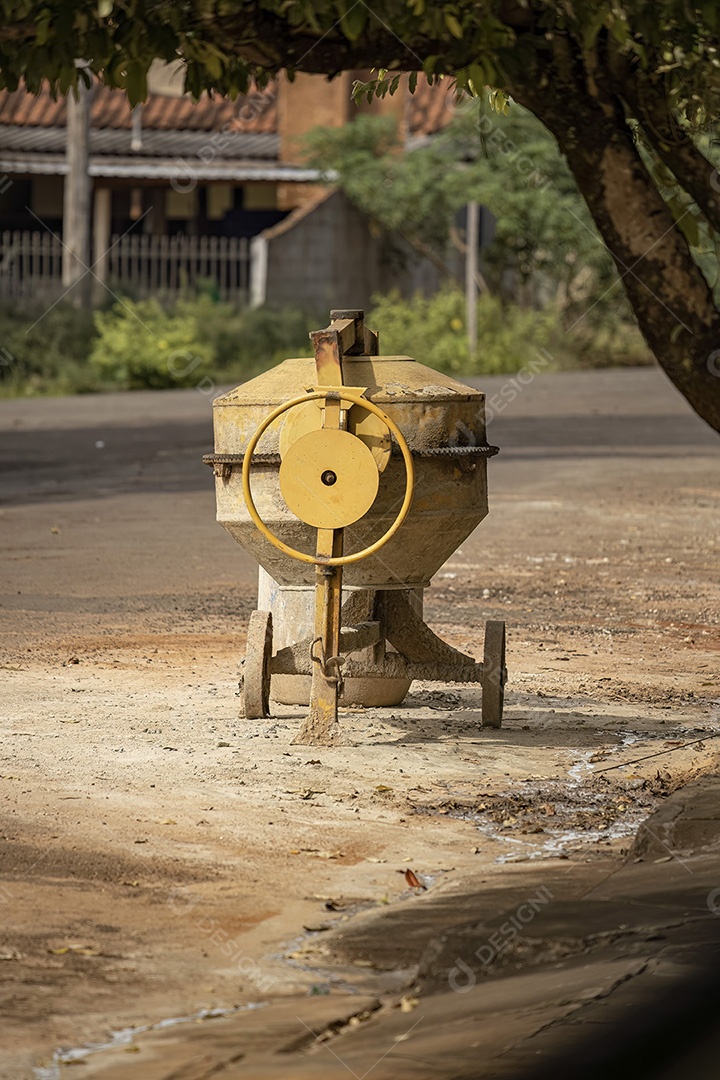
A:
(318, 854)
(413, 881)
(77, 950)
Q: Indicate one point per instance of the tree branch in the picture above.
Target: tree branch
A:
(648, 103)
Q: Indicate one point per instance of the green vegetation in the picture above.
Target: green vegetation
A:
(545, 253)
(141, 344)
(433, 330)
(547, 279)
(45, 351)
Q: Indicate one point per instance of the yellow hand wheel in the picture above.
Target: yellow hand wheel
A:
(329, 438)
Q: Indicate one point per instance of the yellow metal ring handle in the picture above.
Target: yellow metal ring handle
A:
(303, 556)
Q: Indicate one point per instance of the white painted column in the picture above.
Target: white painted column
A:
(258, 270)
(102, 224)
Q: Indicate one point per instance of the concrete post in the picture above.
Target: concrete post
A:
(471, 269)
(76, 198)
(102, 223)
(258, 270)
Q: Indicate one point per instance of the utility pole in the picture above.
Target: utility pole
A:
(77, 197)
(471, 270)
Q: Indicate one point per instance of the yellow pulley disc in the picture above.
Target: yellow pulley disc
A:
(328, 478)
(368, 427)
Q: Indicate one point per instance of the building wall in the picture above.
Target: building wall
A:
(313, 101)
(326, 256)
(308, 102)
(321, 256)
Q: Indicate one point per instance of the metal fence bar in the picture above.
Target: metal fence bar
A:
(138, 265)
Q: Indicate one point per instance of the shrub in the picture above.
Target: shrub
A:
(433, 331)
(141, 345)
(249, 341)
(45, 350)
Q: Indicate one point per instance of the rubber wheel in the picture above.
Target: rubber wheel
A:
(255, 686)
(494, 675)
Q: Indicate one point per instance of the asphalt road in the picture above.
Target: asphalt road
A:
(588, 427)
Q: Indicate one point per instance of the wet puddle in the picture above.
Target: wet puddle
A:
(125, 1037)
(557, 817)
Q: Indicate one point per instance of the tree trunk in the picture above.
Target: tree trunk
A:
(670, 297)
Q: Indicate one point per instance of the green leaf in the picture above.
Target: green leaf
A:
(67, 78)
(476, 78)
(43, 26)
(136, 82)
(360, 90)
(688, 226)
(354, 19)
(105, 8)
(592, 27)
(453, 25)
(499, 102)
(213, 60)
(619, 30)
(710, 13)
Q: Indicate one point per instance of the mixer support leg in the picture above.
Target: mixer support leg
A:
(321, 722)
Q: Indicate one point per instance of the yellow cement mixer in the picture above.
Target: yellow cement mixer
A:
(351, 478)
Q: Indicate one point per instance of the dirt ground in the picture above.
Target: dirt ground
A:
(162, 858)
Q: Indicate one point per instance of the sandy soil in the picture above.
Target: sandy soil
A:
(160, 856)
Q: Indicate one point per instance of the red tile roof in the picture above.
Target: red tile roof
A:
(431, 108)
(255, 113)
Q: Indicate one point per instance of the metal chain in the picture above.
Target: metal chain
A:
(457, 451)
(428, 452)
(328, 662)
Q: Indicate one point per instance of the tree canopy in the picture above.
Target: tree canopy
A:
(226, 44)
(627, 88)
(544, 241)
